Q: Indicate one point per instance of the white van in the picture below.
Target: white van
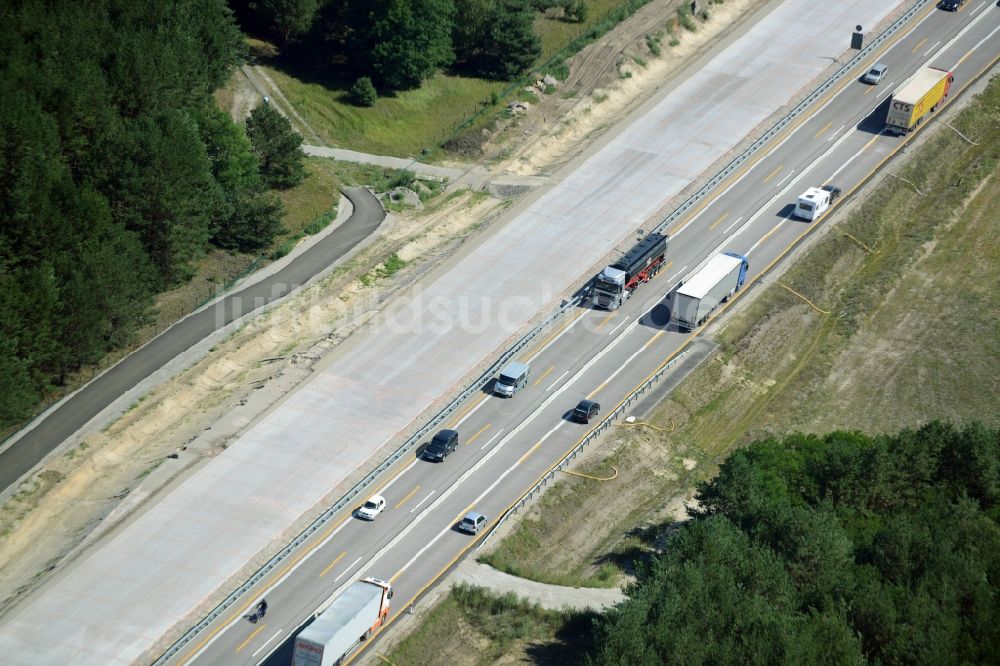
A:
(512, 379)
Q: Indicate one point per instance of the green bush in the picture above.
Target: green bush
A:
(653, 44)
(686, 19)
(363, 92)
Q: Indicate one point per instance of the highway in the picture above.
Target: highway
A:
(506, 445)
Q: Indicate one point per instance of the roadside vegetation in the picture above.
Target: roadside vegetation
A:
(384, 95)
(841, 549)
(118, 179)
(474, 626)
(905, 333)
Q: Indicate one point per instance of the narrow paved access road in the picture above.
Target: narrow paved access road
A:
(22, 455)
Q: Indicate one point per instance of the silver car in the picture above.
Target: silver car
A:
(875, 74)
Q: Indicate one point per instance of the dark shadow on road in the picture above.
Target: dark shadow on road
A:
(874, 122)
(786, 212)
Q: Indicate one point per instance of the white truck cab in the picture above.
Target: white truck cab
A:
(814, 202)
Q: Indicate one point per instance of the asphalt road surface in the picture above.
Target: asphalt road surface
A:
(507, 445)
(22, 455)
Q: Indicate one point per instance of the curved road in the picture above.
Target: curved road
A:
(22, 455)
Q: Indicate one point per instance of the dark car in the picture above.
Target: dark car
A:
(443, 443)
(586, 410)
(833, 190)
(951, 5)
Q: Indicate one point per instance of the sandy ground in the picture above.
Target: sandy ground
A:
(608, 79)
(108, 475)
(82, 495)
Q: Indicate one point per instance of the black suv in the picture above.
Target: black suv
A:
(443, 443)
(951, 5)
(586, 410)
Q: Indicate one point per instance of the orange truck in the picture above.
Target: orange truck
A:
(919, 95)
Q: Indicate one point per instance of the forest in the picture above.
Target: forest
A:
(117, 172)
(845, 548)
(378, 47)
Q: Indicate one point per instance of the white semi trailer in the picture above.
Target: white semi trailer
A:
(697, 298)
(351, 618)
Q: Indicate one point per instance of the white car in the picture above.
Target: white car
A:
(371, 508)
(875, 74)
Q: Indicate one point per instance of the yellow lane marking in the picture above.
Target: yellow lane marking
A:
(768, 234)
(667, 360)
(478, 433)
(411, 494)
(250, 637)
(792, 127)
(774, 173)
(963, 58)
(453, 521)
(468, 408)
(332, 564)
(543, 376)
(668, 265)
(870, 90)
(825, 128)
(653, 339)
(606, 320)
(596, 390)
(718, 221)
(529, 452)
(869, 144)
(919, 44)
(548, 338)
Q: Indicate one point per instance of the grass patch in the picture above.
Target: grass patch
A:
(473, 625)
(686, 19)
(653, 44)
(912, 336)
(392, 265)
(403, 124)
(555, 32)
(314, 198)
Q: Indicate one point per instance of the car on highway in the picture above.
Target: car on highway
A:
(951, 5)
(371, 508)
(472, 523)
(833, 190)
(586, 410)
(444, 443)
(875, 74)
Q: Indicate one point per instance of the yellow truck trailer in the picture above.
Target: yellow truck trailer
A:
(919, 95)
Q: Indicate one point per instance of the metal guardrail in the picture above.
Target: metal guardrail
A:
(359, 487)
(591, 436)
(575, 300)
(727, 170)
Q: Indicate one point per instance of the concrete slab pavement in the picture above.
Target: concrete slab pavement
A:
(126, 594)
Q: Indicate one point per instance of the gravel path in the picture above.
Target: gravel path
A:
(548, 596)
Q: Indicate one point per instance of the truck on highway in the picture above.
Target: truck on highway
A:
(349, 619)
(617, 281)
(919, 95)
(715, 283)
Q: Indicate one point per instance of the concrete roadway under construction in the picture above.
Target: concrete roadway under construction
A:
(119, 601)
